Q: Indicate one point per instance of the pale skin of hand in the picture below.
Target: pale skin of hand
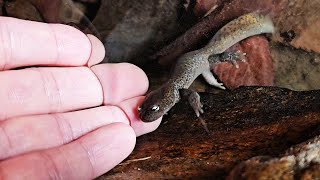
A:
(69, 118)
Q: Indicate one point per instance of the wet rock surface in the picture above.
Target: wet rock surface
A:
(243, 123)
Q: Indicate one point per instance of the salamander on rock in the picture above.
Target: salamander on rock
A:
(190, 65)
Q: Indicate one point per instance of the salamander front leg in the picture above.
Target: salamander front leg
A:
(194, 100)
(231, 55)
(210, 79)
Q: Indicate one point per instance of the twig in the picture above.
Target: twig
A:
(134, 160)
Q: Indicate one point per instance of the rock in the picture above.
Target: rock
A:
(22, 9)
(302, 161)
(243, 123)
(311, 173)
(295, 69)
(261, 167)
(1, 5)
(132, 30)
(51, 11)
(42, 11)
(256, 71)
(299, 25)
(202, 7)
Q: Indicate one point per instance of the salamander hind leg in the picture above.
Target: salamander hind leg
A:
(208, 76)
(194, 100)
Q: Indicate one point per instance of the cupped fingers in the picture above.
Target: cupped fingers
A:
(25, 134)
(30, 133)
(48, 90)
(28, 43)
(121, 81)
(85, 158)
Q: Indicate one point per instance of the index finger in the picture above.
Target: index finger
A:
(28, 43)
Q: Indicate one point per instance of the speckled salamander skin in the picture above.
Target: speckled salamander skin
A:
(239, 29)
(190, 65)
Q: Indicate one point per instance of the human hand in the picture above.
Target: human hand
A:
(67, 120)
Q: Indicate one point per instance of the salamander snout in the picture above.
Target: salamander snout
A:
(149, 114)
(155, 105)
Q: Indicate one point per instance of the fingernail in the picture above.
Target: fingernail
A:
(97, 50)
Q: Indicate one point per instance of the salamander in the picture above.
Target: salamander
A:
(190, 65)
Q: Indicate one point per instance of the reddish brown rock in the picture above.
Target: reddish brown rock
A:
(204, 6)
(243, 123)
(89, 1)
(256, 71)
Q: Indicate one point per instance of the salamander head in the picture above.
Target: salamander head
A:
(156, 104)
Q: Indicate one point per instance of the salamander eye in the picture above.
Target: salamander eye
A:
(139, 109)
(155, 108)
